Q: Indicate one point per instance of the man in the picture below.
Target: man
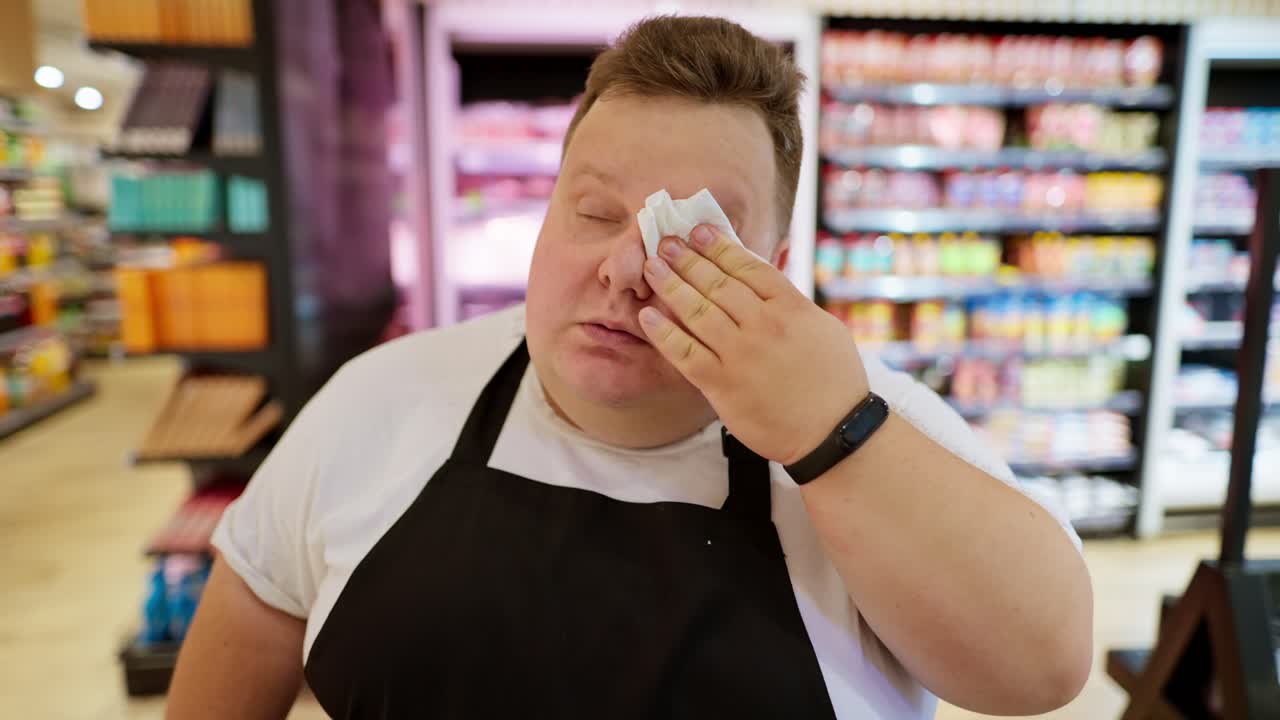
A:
(537, 514)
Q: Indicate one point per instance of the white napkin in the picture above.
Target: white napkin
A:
(663, 217)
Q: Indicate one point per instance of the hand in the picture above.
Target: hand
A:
(779, 371)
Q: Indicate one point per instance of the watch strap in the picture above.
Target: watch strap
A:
(847, 437)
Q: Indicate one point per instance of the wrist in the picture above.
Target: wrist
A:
(845, 439)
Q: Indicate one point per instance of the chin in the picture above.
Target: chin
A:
(611, 381)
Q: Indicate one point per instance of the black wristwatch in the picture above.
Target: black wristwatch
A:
(848, 436)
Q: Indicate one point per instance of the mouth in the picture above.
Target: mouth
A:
(613, 333)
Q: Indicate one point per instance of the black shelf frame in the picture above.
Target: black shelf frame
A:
(246, 58)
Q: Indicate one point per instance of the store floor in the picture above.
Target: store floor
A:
(73, 516)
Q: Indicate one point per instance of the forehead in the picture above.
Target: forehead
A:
(643, 144)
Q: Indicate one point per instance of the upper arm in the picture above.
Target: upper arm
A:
(241, 658)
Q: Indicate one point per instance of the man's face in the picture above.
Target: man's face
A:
(586, 284)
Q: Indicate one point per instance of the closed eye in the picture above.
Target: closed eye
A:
(596, 218)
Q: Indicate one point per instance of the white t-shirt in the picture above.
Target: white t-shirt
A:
(364, 447)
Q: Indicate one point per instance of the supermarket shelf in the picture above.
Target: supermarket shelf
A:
(241, 467)
(468, 211)
(21, 128)
(240, 58)
(11, 340)
(1118, 463)
(240, 243)
(1224, 404)
(1240, 159)
(1188, 483)
(253, 362)
(994, 221)
(516, 158)
(1107, 523)
(905, 289)
(15, 420)
(919, 157)
(1158, 96)
(904, 353)
(15, 174)
(148, 668)
(190, 529)
(1224, 223)
(1221, 335)
(1128, 402)
(66, 222)
(225, 164)
(1194, 287)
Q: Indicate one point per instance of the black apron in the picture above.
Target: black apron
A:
(499, 596)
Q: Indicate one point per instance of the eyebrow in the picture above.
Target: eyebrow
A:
(590, 170)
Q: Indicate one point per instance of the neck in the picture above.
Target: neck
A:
(649, 425)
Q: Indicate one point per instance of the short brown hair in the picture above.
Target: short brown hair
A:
(713, 60)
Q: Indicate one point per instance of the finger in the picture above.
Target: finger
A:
(728, 293)
(740, 263)
(693, 359)
(708, 323)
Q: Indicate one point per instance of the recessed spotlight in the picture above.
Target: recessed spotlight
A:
(89, 98)
(48, 76)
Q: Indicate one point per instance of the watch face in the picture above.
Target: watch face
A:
(857, 428)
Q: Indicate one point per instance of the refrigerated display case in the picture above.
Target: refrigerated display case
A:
(501, 88)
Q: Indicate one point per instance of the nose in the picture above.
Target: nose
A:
(622, 269)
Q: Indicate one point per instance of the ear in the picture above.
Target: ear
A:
(782, 253)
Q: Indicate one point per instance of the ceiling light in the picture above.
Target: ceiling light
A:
(89, 98)
(48, 76)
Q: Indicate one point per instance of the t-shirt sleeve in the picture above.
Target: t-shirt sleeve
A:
(266, 536)
(930, 414)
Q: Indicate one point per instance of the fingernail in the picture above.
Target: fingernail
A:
(650, 317)
(702, 237)
(670, 248)
(657, 267)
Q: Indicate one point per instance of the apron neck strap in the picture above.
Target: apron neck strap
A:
(749, 482)
(748, 472)
(489, 414)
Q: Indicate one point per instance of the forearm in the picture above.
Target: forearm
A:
(974, 587)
